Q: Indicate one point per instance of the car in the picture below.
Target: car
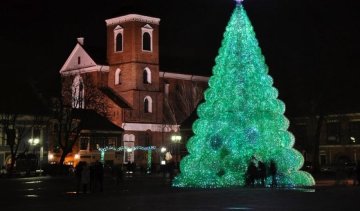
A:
(327, 168)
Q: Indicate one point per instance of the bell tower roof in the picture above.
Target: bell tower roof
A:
(132, 17)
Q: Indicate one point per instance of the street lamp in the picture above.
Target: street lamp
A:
(162, 156)
(34, 141)
(77, 156)
(176, 138)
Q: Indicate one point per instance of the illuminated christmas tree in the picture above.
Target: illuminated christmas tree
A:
(241, 119)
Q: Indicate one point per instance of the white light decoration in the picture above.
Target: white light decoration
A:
(50, 156)
(176, 138)
(76, 156)
(34, 141)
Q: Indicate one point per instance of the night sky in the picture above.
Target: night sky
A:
(311, 46)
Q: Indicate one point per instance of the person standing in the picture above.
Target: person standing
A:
(357, 172)
(78, 172)
(119, 174)
(251, 173)
(99, 175)
(85, 177)
(262, 173)
(273, 172)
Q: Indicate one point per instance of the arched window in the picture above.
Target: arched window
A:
(78, 91)
(147, 32)
(147, 76)
(118, 38)
(117, 76)
(119, 42)
(129, 137)
(147, 140)
(132, 137)
(129, 143)
(147, 104)
(146, 41)
(126, 137)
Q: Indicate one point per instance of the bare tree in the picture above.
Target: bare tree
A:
(182, 101)
(68, 128)
(77, 96)
(16, 131)
(83, 93)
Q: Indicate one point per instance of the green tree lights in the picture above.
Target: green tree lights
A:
(240, 118)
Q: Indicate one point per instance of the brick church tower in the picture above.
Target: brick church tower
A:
(133, 57)
(134, 93)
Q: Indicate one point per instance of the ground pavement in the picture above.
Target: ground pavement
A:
(143, 192)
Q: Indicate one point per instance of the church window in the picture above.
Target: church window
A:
(79, 59)
(118, 38)
(118, 76)
(147, 76)
(119, 42)
(146, 42)
(78, 93)
(147, 140)
(129, 143)
(147, 104)
(146, 32)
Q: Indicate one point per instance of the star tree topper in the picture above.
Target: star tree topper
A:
(239, 1)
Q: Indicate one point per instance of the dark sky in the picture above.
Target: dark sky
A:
(311, 46)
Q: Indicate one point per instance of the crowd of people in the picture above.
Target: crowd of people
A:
(257, 172)
(89, 177)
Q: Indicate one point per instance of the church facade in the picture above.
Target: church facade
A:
(129, 88)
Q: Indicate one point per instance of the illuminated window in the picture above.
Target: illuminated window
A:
(78, 93)
(147, 76)
(117, 76)
(129, 143)
(354, 132)
(84, 142)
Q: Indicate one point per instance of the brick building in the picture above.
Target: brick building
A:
(128, 86)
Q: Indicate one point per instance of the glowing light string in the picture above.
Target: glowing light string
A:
(149, 150)
(126, 148)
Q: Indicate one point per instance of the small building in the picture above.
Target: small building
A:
(24, 119)
(96, 132)
(339, 138)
